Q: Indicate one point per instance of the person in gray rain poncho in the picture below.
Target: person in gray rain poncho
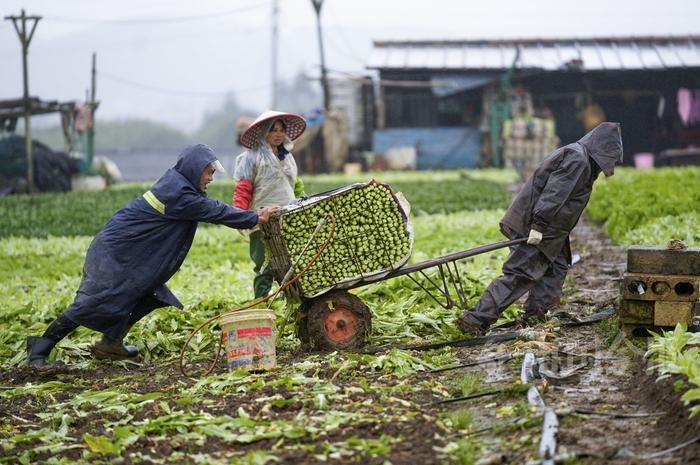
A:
(137, 252)
(545, 211)
(266, 174)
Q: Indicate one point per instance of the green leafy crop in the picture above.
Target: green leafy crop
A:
(648, 206)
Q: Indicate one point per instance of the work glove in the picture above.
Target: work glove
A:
(534, 238)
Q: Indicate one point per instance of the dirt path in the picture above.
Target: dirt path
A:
(622, 385)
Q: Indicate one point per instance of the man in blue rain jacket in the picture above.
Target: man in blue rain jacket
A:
(137, 252)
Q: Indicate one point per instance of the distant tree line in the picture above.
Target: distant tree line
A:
(218, 127)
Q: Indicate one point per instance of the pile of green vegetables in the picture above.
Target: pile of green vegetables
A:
(371, 235)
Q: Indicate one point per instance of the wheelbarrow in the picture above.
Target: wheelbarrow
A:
(338, 319)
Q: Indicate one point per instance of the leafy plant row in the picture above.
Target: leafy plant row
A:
(649, 207)
(84, 213)
(38, 279)
(677, 353)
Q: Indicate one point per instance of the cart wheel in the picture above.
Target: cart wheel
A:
(339, 320)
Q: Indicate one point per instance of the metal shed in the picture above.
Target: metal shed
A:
(454, 83)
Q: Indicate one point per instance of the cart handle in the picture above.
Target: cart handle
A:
(454, 257)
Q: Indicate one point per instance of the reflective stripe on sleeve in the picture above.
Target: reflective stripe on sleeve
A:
(154, 202)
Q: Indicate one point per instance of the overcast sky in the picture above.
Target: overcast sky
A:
(172, 60)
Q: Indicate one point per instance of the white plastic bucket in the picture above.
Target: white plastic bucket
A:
(250, 337)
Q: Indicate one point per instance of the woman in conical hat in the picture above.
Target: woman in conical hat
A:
(266, 175)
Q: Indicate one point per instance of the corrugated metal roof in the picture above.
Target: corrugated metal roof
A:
(616, 53)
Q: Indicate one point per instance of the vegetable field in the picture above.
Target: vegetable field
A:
(649, 207)
(314, 407)
(390, 405)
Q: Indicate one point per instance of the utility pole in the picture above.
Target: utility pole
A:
(90, 146)
(324, 75)
(26, 39)
(273, 70)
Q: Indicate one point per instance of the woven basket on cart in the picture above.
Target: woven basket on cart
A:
(373, 236)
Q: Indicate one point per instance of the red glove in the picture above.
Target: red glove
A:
(242, 194)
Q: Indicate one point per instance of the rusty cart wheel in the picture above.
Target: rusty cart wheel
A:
(338, 320)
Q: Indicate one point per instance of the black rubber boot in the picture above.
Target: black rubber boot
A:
(38, 350)
(529, 319)
(469, 328)
(114, 350)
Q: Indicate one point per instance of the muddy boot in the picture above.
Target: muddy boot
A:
(532, 319)
(113, 350)
(38, 350)
(469, 328)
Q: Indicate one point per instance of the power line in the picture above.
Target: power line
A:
(176, 19)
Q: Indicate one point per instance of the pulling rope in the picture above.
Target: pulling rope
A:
(283, 285)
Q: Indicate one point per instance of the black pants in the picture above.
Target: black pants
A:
(526, 270)
(63, 326)
(262, 283)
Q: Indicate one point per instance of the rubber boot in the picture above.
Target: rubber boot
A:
(38, 350)
(106, 348)
(469, 328)
(113, 350)
(529, 319)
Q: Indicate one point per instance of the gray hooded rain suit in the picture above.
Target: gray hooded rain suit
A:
(550, 202)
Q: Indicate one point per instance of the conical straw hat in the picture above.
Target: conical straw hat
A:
(295, 127)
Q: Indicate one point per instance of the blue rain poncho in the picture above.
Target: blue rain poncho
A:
(145, 243)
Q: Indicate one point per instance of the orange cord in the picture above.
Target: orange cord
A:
(239, 309)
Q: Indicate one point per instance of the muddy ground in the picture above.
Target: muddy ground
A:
(501, 428)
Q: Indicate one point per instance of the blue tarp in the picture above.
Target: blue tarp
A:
(436, 148)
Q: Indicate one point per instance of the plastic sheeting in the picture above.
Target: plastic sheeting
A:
(445, 85)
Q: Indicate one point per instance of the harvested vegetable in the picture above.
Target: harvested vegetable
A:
(372, 236)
